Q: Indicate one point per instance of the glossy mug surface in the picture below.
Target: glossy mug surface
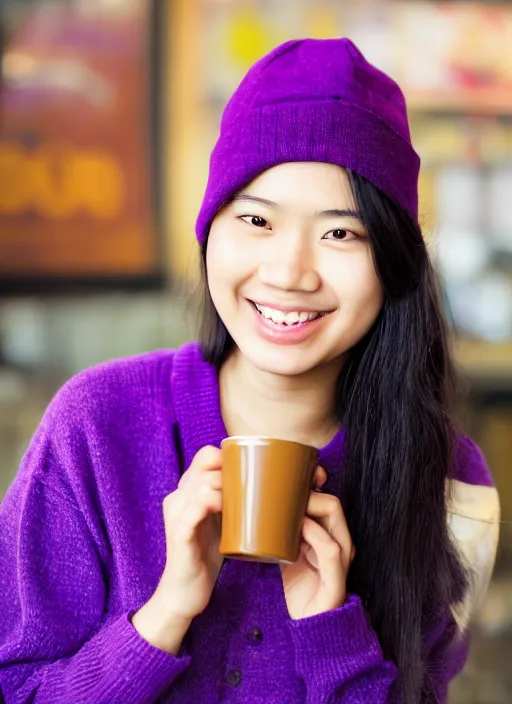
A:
(266, 485)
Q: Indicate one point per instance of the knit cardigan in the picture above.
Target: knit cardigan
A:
(82, 547)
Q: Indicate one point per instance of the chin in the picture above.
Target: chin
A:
(283, 362)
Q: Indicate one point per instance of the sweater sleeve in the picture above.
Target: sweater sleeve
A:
(339, 657)
(58, 643)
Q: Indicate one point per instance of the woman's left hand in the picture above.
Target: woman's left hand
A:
(317, 582)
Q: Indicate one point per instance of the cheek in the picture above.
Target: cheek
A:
(357, 285)
(219, 255)
(225, 261)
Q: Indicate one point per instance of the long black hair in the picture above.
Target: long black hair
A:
(395, 398)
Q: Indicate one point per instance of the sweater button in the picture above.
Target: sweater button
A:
(256, 635)
(234, 678)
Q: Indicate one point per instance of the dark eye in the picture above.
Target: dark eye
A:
(254, 220)
(338, 235)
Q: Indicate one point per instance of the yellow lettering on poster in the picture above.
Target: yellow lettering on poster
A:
(101, 182)
(53, 195)
(15, 189)
(60, 182)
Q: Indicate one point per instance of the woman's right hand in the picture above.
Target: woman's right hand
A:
(193, 562)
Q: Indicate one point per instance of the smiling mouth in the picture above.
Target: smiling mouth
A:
(287, 319)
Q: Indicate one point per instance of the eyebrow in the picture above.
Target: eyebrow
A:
(254, 199)
(333, 213)
(344, 213)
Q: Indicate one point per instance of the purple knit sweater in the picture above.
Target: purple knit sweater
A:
(82, 547)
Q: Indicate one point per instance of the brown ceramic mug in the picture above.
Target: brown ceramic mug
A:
(266, 485)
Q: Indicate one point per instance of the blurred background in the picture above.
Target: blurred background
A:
(109, 109)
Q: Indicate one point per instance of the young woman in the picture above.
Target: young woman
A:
(321, 324)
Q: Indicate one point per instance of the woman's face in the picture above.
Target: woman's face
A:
(290, 269)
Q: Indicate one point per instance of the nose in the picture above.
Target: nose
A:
(289, 266)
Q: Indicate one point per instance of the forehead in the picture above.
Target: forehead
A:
(312, 185)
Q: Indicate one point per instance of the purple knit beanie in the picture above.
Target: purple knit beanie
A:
(313, 100)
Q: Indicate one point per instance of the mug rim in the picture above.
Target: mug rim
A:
(263, 440)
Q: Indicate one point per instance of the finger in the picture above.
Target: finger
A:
(209, 501)
(207, 459)
(327, 511)
(213, 479)
(328, 555)
(319, 478)
(193, 505)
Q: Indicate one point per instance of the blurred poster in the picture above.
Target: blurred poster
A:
(76, 175)
(455, 54)
(445, 55)
(237, 33)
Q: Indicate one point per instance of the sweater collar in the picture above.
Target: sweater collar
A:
(196, 398)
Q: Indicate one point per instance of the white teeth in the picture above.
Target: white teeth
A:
(292, 318)
(266, 312)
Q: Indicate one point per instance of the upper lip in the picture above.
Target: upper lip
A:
(285, 308)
